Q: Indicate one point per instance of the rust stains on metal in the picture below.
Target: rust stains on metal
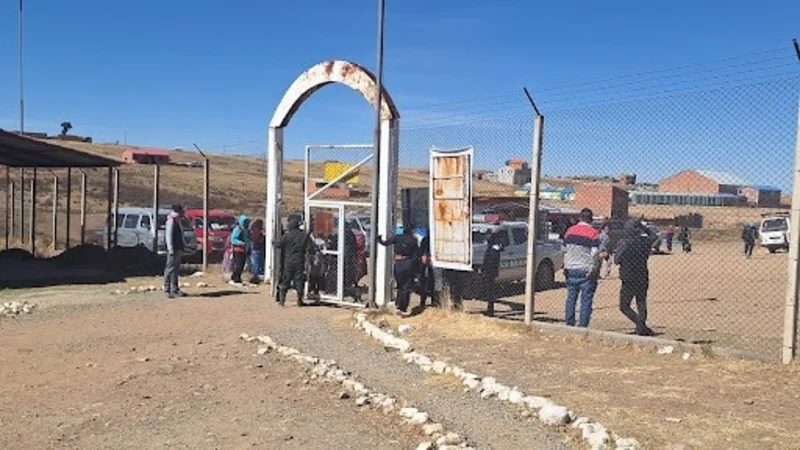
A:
(451, 209)
(344, 72)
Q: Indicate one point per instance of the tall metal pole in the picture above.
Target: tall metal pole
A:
(373, 226)
(55, 213)
(69, 205)
(206, 181)
(533, 214)
(12, 222)
(21, 83)
(790, 307)
(112, 220)
(21, 205)
(9, 204)
(33, 213)
(83, 207)
(156, 181)
(115, 206)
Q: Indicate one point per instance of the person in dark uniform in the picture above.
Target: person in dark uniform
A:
(351, 265)
(426, 279)
(632, 255)
(294, 245)
(406, 252)
(490, 270)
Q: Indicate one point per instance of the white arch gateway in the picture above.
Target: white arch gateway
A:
(362, 81)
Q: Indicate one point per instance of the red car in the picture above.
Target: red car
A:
(220, 225)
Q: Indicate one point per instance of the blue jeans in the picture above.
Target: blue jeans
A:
(579, 284)
(256, 268)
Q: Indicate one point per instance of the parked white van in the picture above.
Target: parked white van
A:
(774, 231)
(135, 230)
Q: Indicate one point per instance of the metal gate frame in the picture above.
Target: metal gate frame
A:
(339, 206)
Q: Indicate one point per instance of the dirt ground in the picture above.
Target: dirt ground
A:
(93, 370)
(663, 401)
(710, 296)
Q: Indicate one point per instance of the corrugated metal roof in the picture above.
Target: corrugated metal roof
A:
(764, 187)
(22, 151)
(724, 178)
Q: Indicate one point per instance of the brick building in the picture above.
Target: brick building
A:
(604, 200)
(703, 182)
(762, 196)
(145, 156)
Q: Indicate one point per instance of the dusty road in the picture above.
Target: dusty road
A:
(92, 370)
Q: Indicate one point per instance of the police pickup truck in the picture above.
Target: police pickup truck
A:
(513, 258)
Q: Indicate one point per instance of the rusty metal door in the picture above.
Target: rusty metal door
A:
(451, 208)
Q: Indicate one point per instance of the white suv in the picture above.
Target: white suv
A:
(774, 232)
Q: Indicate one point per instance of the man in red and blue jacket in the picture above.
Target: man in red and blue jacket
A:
(582, 267)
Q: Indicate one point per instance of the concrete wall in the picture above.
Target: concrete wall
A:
(689, 181)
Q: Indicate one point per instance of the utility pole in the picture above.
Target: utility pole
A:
(373, 226)
(533, 213)
(21, 83)
(205, 207)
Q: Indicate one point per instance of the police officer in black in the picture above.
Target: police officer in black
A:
(426, 279)
(490, 270)
(294, 245)
(406, 252)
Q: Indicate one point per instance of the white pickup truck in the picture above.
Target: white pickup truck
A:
(513, 258)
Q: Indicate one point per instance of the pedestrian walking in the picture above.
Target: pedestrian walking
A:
(173, 237)
(581, 267)
(294, 245)
(406, 251)
(749, 236)
(257, 254)
(241, 245)
(632, 255)
(605, 241)
(669, 237)
(490, 270)
(685, 237)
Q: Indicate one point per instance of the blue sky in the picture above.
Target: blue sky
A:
(171, 73)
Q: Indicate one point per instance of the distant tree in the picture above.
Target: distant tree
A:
(65, 127)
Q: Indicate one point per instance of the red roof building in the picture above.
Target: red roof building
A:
(145, 156)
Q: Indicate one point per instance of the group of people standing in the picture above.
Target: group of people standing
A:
(585, 253)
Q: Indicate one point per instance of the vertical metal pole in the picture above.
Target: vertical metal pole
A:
(21, 84)
(115, 207)
(33, 213)
(9, 204)
(112, 221)
(83, 207)
(21, 205)
(12, 223)
(55, 213)
(69, 205)
(790, 309)
(376, 195)
(533, 218)
(206, 181)
(156, 181)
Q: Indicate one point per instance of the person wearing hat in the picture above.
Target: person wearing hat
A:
(173, 238)
(749, 236)
(294, 245)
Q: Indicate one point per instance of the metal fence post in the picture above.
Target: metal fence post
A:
(12, 209)
(9, 204)
(154, 225)
(21, 205)
(55, 213)
(533, 218)
(790, 310)
(69, 206)
(206, 180)
(115, 207)
(33, 213)
(83, 207)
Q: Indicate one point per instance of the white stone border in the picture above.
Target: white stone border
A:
(328, 371)
(548, 412)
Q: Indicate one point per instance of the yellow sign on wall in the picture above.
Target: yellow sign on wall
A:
(334, 169)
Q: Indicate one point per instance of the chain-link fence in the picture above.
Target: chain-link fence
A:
(708, 175)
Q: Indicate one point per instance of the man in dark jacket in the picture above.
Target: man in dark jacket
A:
(490, 270)
(633, 252)
(405, 265)
(173, 237)
(749, 235)
(427, 282)
(294, 245)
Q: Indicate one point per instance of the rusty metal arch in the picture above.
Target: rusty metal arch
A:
(347, 73)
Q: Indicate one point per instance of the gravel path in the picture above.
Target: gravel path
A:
(487, 424)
